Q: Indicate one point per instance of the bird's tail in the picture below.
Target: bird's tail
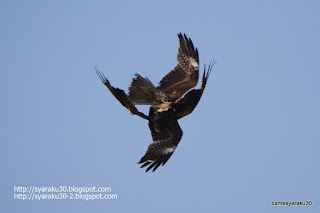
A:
(143, 92)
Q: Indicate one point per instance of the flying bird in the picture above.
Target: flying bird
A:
(167, 102)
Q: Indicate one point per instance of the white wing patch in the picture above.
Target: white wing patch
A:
(194, 63)
(168, 150)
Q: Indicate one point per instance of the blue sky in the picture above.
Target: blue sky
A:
(253, 138)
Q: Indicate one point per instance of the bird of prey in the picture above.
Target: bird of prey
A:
(167, 102)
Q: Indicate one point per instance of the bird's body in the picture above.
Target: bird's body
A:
(167, 102)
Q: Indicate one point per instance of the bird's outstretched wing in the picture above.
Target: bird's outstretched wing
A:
(185, 75)
(188, 103)
(166, 134)
(120, 95)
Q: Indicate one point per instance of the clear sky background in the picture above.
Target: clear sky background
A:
(253, 138)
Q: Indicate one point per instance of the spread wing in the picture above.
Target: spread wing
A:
(120, 95)
(166, 134)
(185, 75)
(189, 102)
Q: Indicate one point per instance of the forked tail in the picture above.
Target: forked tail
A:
(143, 92)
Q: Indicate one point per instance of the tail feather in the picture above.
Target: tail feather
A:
(142, 91)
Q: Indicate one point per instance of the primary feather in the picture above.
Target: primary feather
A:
(167, 102)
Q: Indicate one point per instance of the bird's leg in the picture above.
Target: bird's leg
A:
(134, 111)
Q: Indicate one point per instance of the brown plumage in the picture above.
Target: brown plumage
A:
(167, 103)
(185, 75)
